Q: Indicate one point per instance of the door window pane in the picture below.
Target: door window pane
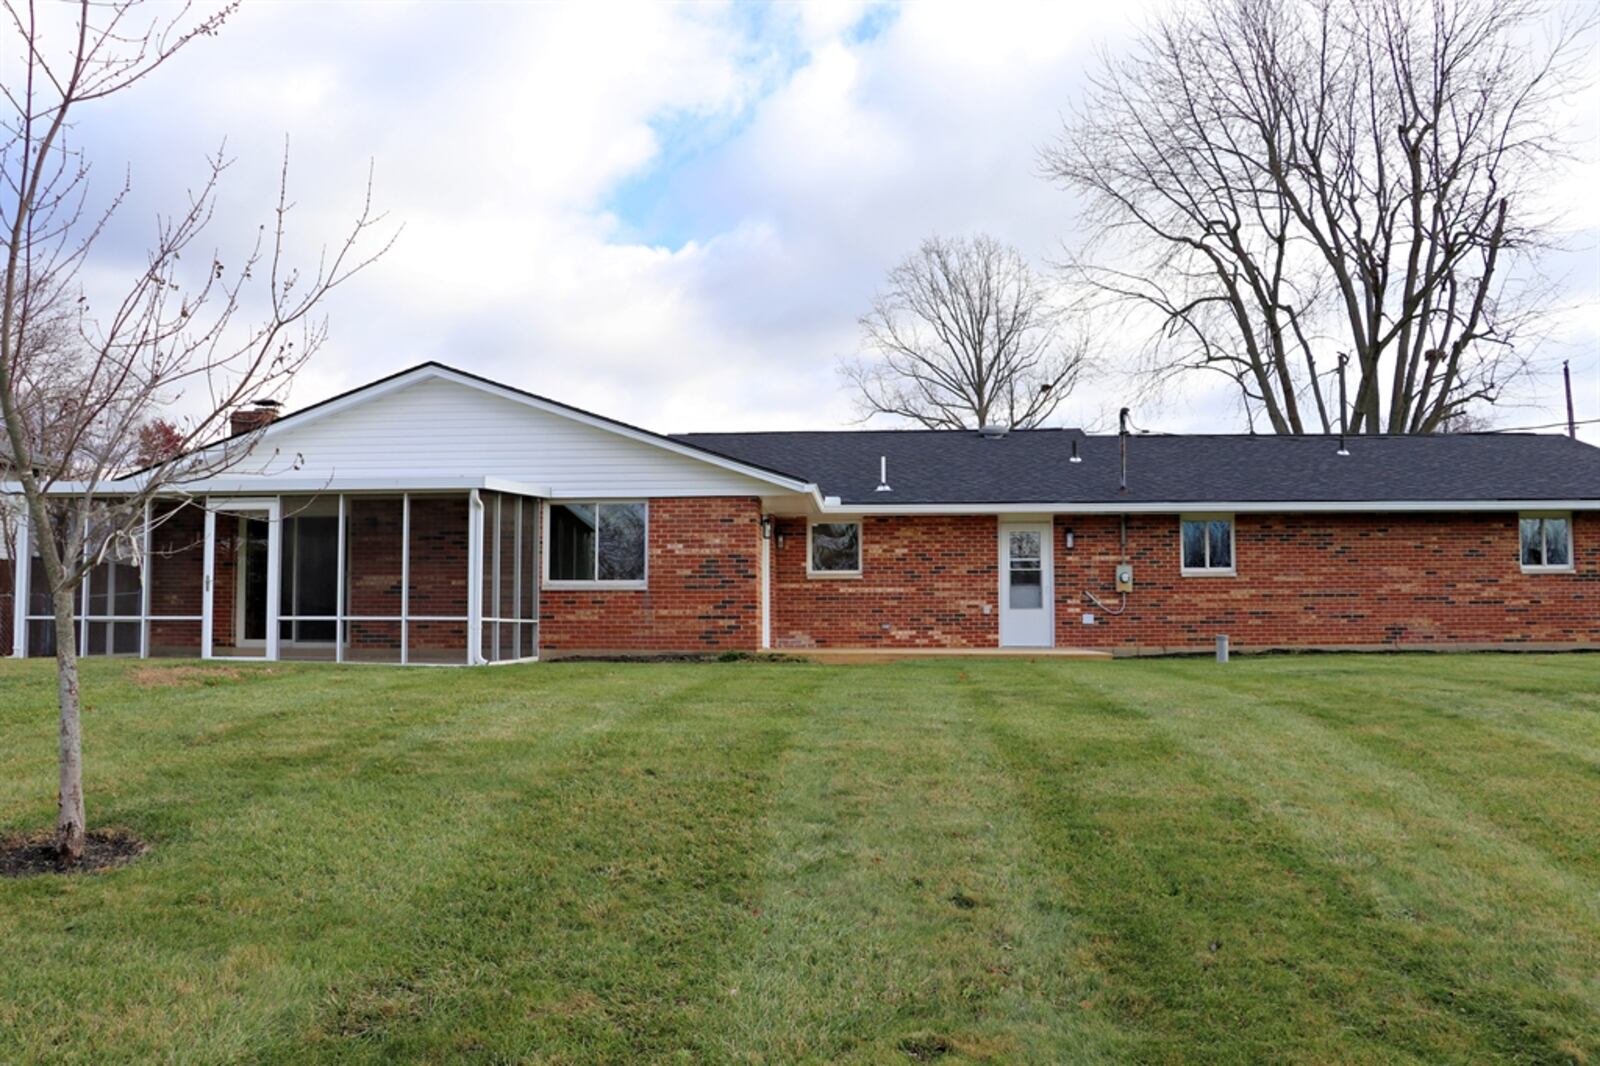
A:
(1025, 573)
(1027, 587)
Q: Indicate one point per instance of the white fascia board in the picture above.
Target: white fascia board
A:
(1223, 506)
(638, 492)
(817, 504)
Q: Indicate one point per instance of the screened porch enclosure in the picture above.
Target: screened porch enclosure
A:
(407, 578)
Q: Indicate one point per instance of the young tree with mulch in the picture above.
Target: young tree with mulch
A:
(81, 383)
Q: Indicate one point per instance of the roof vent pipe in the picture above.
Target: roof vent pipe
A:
(993, 432)
(1343, 359)
(1122, 437)
(1076, 458)
(883, 474)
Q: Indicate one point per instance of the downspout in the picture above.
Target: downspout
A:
(764, 527)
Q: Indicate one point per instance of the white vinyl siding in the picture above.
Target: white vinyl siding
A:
(442, 429)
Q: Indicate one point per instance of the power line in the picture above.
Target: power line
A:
(1547, 425)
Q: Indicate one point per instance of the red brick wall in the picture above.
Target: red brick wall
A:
(177, 575)
(704, 587)
(1349, 579)
(924, 583)
(438, 571)
(374, 551)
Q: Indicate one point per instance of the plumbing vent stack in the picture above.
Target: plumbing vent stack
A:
(1122, 436)
(883, 474)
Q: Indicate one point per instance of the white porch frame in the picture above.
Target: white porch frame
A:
(271, 510)
(272, 507)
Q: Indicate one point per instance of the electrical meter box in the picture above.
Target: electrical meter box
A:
(1124, 577)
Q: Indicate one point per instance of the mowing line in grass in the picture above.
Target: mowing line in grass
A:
(270, 884)
(1457, 898)
(899, 918)
(585, 926)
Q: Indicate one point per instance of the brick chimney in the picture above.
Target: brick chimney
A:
(258, 415)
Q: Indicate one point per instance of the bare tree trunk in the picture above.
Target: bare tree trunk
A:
(70, 821)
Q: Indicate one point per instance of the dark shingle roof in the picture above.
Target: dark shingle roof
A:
(1031, 466)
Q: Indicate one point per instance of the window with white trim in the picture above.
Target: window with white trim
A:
(1206, 544)
(833, 549)
(1546, 541)
(597, 543)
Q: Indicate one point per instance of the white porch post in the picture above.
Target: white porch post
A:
(21, 571)
(210, 564)
(474, 578)
(83, 594)
(338, 593)
(144, 582)
(405, 578)
(274, 575)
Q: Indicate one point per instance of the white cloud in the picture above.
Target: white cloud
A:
(784, 163)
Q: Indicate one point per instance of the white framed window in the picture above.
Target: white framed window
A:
(597, 543)
(833, 548)
(1545, 542)
(1205, 544)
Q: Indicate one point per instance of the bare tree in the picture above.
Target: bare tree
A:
(78, 386)
(964, 335)
(1283, 180)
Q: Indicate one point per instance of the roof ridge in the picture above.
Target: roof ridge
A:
(908, 430)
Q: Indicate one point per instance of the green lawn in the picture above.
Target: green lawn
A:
(1305, 859)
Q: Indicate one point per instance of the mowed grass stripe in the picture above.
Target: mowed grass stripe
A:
(898, 921)
(1198, 909)
(273, 871)
(1530, 764)
(1498, 938)
(586, 924)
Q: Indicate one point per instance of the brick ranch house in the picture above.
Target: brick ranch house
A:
(438, 517)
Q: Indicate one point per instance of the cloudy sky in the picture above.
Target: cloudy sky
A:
(670, 214)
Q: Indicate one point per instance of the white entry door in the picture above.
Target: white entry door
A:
(1027, 619)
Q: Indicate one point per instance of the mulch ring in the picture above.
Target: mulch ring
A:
(30, 854)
